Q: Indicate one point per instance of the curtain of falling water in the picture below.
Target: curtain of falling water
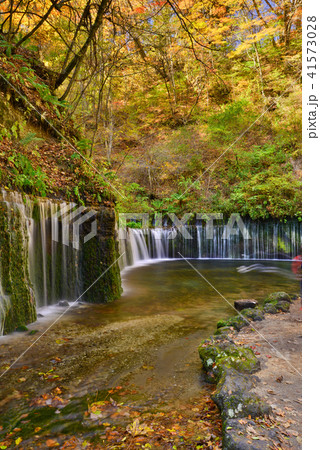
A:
(54, 268)
(268, 240)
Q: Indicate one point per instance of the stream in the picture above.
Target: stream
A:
(146, 341)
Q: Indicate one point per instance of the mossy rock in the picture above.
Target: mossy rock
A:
(236, 438)
(208, 354)
(237, 322)
(243, 405)
(254, 314)
(277, 297)
(231, 382)
(21, 328)
(223, 331)
(218, 357)
(269, 308)
(222, 323)
(283, 306)
(241, 359)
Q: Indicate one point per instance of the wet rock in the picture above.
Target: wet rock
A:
(244, 304)
(63, 303)
(238, 436)
(39, 315)
(253, 314)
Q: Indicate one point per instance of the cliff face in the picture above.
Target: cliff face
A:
(49, 253)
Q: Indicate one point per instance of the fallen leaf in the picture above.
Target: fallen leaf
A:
(51, 443)
(137, 429)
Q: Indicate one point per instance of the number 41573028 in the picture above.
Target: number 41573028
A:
(311, 44)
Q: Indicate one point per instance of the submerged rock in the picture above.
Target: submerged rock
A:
(244, 304)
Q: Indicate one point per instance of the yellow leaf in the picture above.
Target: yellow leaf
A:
(137, 429)
(17, 441)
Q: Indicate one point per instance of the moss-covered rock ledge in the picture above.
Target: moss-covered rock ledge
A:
(231, 366)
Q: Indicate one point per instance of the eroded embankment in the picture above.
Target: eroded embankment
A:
(255, 361)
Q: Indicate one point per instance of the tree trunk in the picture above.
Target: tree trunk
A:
(103, 7)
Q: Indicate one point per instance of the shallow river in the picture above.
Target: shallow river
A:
(148, 339)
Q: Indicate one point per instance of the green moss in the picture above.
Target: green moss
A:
(253, 313)
(276, 297)
(100, 269)
(237, 322)
(221, 323)
(223, 331)
(14, 269)
(22, 328)
(242, 359)
(219, 356)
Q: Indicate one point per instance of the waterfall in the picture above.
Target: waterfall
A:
(4, 306)
(51, 251)
(268, 240)
(54, 268)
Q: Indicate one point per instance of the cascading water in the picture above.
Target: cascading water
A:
(52, 251)
(267, 241)
(53, 267)
(56, 270)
